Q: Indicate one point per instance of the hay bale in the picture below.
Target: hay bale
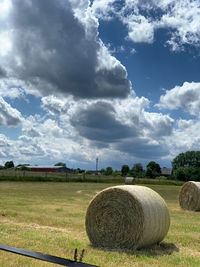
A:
(189, 196)
(127, 217)
(130, 180)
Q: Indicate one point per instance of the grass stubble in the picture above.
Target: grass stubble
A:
(50, 218)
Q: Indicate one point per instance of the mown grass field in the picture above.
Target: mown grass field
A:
(50, 218)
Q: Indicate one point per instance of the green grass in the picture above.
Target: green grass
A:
(22, 176)
(49, 218)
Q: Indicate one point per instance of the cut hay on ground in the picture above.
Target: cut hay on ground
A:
(127, 217)
(130, 180)
(189, 196)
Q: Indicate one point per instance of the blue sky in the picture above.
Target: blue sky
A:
(117, 80)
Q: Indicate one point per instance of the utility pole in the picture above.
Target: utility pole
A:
(97, 164)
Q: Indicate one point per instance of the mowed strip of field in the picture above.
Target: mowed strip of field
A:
(50, 218)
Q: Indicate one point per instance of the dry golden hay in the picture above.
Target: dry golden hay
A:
(130, 180)
(127, 217)
(189, 196)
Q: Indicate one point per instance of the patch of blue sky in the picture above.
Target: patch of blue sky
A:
(11, 132)
(30, 105)
(153, 67)
(112, 31)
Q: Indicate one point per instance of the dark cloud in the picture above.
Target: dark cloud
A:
(142, 148)
(98, 122)
(55, 55)
(2, 73)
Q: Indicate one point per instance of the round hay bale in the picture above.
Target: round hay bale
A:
(130, 180)
(127, 217)
(189, 196)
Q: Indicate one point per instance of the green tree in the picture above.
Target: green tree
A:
(9, 164)
(125, 170)
(109, 171)
(137, 167)
(155, 167)
(60, 164)
(187, 174)
(149, 173)
(102, 171)
(187, 159)
(180, 174)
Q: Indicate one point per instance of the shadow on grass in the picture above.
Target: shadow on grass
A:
(156, 250)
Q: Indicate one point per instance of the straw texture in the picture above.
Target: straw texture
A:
(127, 217)
(129, 180)
(189, 196)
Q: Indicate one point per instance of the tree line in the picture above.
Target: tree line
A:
(186, 166)
(153, 170)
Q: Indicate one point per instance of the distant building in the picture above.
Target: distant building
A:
(166, 171)
(50, 169)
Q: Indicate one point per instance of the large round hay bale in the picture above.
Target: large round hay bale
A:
(189, 196)
(130, 180)
(127, 217)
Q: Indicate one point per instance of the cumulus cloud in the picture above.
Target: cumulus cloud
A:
(53, 51)
(67, 57)
(98, 122)
(184, 137)
(140, 29)
(114, 124)
(54, 105)
(116, 131)
(186, 97)
(8, 115)
(143, 148)
(143, 18)
(12, 88)
(158, 125)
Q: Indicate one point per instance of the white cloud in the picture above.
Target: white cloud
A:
(180, 18)
(5, 6)
(55, 105)
(11, 88)
(133, 51)
(114, 130)
(186, 97)
(184, 138)
(9, 116)
(5, 44)
(139, 29)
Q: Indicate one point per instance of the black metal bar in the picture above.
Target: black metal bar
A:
(45, 257)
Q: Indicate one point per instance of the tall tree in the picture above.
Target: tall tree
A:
(137, 167)
(109, 171)
(9, 164)
(125, 170)
(187, 159)
(155, 167)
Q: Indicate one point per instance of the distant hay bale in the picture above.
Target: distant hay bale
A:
(127, 217)
(130, 180)
(189, 196)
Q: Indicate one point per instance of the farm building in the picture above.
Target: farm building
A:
(166, 171)
(49, 169)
